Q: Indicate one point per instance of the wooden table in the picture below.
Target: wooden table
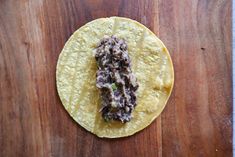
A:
(197, 121)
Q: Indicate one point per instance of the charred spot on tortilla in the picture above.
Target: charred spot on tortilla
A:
(115, 79)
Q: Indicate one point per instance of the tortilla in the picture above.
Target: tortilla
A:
(76, 75)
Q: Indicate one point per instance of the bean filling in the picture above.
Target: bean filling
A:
(115, 79)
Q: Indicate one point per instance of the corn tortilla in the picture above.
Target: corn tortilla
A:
(76, 75)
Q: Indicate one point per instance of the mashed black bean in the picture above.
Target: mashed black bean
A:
(115, 79)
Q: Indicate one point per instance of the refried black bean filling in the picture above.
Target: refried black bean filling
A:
(115, 79)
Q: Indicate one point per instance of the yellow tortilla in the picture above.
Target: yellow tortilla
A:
(76, 75)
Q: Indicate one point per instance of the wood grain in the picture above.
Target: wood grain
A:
(197, 121)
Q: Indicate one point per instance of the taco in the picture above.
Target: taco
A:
(114, 76)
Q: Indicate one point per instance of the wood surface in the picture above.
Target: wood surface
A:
(197, 121)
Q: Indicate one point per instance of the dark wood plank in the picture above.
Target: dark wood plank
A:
(196, 121)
